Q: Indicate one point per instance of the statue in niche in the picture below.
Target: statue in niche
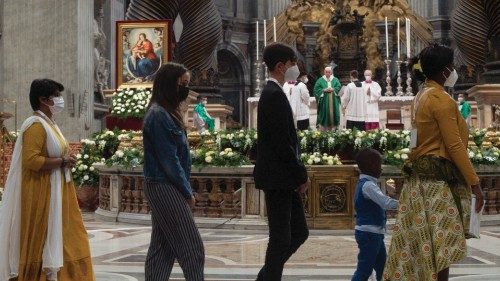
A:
(101, 64)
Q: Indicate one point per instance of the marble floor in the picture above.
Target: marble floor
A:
(119, 251)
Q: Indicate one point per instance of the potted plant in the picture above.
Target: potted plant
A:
(86, 177)
(128, 109)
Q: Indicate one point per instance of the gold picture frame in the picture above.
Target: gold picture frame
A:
(142, 48)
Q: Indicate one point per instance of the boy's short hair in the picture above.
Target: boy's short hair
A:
(364, 158)
(354, 73)
(278, 52)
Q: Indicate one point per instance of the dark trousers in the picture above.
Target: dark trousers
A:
(287, 231)
(360, 125)
(174, 236)
(372, 255)
(303, 125)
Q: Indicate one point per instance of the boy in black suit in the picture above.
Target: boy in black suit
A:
(278, 170)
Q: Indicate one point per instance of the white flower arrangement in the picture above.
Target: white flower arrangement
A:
(130, 102)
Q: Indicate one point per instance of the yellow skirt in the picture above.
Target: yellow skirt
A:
(429, 234)
(34, 221)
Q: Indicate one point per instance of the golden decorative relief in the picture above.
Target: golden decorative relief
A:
(321, 11)
(333, 199)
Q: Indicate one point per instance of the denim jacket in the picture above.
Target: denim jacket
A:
(167, 158)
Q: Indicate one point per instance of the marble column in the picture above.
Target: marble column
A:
(486, 95)
(49, 39)
(310, 30)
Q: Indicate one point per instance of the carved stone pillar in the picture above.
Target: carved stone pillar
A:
(486, 95)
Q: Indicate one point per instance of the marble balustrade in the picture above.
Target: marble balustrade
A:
(223, 192)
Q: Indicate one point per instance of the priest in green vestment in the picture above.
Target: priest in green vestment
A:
(203, 118)
(326, 91)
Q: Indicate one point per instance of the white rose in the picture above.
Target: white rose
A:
(317, 160)
(78, 156)
(397, 155)
(208, 159)
(122, 110)
(119, 153)
(86, 177)
(73, 170)
(241, 135)
(404, 156)
(310, 161)
(230, 154)
(222, 153)
(330, 162)
(137, 111)
(405, 150)
(91, 168)
(86, 156)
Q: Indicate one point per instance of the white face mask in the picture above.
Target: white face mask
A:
(305, 80)
(58, 106)
(368, 78)
(204, 102)
(452, 79)
(292, 73)
(460, 99)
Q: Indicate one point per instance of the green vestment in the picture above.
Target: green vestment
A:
(328, 103)
(465, 109)
(203, 114)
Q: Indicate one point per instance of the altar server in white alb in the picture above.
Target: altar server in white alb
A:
(373, 92)
(299, 101)
(354, 103)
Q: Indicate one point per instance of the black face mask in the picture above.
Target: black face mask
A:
(183, 92)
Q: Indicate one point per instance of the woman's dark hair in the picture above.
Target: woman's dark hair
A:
(43, 88)
(166, 90)
(431, 61)
(278, 52)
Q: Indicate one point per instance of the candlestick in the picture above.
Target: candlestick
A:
(399, 53)
(257, 40)
(274, 28)
(409, 89)
(265, 33)
(257, 78)
(388, 88)
(400, 88)
(408, 37)
(386, 39)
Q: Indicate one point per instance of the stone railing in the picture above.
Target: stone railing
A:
(231, 193)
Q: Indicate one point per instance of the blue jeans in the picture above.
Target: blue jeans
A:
(372, 255)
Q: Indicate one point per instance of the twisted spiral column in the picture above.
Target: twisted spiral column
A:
(202, 27)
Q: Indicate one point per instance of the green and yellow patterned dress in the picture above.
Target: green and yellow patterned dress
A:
(434, 206)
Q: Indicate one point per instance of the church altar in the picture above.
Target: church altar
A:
(402, 103)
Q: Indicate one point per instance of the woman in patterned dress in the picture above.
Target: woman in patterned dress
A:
(434, 211)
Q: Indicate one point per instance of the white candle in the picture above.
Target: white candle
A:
(386, 39)
(265, 33)
(399, 55)
(257, 40)
(274, 28)
(408, 37)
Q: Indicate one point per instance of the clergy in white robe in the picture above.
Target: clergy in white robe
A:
(354, 102)
(373, 92)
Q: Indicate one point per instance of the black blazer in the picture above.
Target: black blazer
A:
(278, 165)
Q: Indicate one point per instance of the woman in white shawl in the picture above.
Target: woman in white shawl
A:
(42, 236)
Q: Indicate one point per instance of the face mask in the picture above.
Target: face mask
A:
(204, 102)
(452, 79)
(460, 100)
(183, 92)
(305, 80)
(292, 73)
(368, 78)
(58, 105)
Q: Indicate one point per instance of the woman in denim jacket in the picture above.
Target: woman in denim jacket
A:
(167, 167)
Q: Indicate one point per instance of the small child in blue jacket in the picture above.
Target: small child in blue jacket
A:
(370, 205)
